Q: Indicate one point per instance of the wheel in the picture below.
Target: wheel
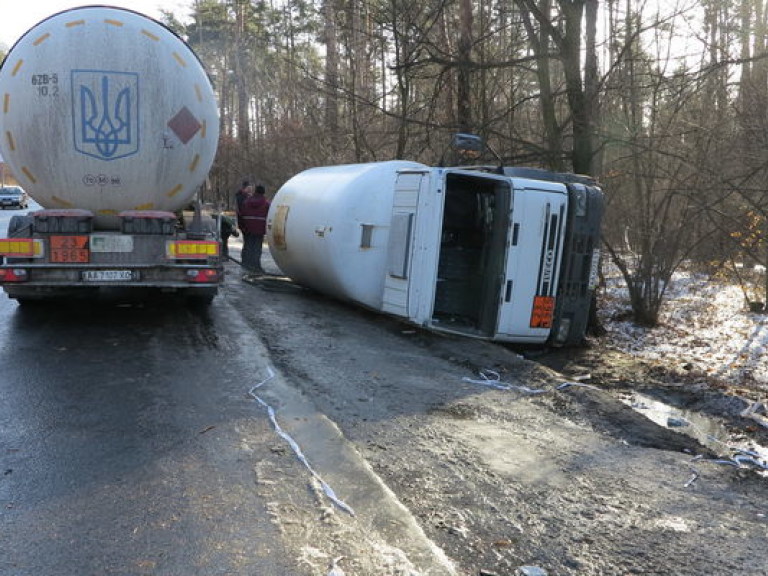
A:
(17, 223)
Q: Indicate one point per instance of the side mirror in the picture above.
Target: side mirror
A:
(467, 145)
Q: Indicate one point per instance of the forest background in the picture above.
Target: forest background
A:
(664, 103)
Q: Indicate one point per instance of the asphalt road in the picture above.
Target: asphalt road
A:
(128, 441)
(132, 442)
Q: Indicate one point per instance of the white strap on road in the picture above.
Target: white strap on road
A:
(493, 380)
(565, 385)
(295, 447)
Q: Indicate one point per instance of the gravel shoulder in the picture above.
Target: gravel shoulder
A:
(570, 480)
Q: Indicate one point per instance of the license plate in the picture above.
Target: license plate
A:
(109, 275)
(594, 269)
(111, 243)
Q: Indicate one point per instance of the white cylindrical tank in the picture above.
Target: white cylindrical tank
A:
(107, 110)
(328, 228)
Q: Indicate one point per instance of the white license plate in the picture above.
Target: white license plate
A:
(107, 275)
(111, 243)
(594, 269)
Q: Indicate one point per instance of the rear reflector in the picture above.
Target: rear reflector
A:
(21, 248)
(191, 249)
(204, 276)
(13, 275)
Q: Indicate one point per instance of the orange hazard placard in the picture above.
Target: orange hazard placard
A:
(73, 249)
(543, 311)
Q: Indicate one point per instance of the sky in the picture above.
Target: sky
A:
(17, 17)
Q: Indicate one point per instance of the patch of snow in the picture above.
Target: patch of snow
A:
(704, 327)
(673, 523)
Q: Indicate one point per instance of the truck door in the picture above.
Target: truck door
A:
(473, 239)
(533, 262)
(401, 276)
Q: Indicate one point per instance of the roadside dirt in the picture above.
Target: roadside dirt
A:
(567, 479)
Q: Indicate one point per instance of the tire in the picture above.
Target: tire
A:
(18, 222)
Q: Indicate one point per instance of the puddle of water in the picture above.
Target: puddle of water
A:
(708, 431)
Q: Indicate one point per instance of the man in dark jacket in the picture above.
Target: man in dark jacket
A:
(253, 224)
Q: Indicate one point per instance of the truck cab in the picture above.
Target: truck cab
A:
(485, 253)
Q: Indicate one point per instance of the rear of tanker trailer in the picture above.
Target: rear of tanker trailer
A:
(110, 122)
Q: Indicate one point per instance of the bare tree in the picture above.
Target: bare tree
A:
(331, 74)
(580, 81)
(540, 43)
(464, 77)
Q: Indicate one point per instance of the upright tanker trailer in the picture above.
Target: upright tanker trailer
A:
(109, 121)
(501, 254)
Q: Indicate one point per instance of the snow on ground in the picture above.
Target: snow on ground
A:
(704, 328)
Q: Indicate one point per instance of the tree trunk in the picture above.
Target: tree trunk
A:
(568, 42)
(464, 78)
(241, 65)
(403, 82)
(331, 76)
(591, 82)
(540, 44)
(357, 63)
(573, 11)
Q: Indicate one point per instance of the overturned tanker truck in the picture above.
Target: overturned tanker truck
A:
(109, 121)
(506, 254)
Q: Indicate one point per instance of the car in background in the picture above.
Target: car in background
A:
(13, 197)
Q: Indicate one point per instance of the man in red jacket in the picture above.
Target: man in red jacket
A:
(253, 224)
